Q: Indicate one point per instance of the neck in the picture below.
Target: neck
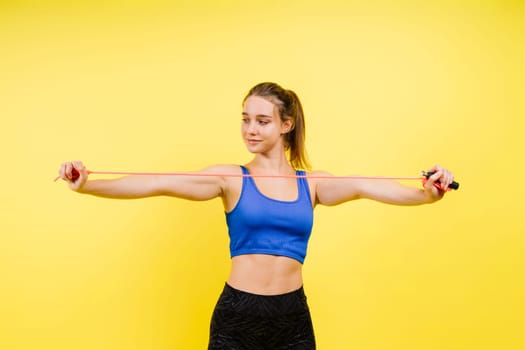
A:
(270, 165)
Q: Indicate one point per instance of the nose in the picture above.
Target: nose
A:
(251, 127)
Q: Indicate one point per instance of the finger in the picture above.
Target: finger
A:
(437, 175)
(437, 179)
(77, 164)
(68, 168)
(443, 179)
(431, 180)
(447, 180)
(61, 171)
(436, 168)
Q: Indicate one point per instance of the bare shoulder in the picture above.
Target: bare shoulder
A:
(316, 176)
(227, 174)
(315, 180)
(222, 169)
(231, 185)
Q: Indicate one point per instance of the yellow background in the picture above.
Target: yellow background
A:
(388, 89)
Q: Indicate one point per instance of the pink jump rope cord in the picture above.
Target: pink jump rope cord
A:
(250, 175)
(424, 176)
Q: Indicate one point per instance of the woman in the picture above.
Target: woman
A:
(269, 210)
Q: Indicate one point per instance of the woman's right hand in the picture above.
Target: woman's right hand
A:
(74, 173)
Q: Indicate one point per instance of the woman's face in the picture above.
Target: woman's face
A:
(262, 128)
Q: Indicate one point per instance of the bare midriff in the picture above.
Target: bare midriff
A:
(265, 274)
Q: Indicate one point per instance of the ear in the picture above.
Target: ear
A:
(286, 126)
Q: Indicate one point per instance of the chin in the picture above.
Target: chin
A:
(252, 149)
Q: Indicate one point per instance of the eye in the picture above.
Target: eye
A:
(262, 122)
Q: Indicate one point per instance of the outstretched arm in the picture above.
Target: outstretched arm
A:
(336, 191)
(127, 187)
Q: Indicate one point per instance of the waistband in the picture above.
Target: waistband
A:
(227, 287)
(264, 305)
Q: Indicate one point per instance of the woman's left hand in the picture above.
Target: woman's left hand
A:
(438, 183)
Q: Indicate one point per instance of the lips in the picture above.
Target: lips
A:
(253, 141)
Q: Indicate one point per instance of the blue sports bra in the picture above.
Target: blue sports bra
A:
(262, 225)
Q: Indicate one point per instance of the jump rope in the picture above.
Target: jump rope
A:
(424, 176)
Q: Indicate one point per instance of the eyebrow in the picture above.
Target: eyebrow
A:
(259, 115)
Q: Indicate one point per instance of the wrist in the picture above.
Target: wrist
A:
(434, 194)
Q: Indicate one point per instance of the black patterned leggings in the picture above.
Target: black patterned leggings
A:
(245, 321)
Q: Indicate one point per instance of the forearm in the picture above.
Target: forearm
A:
(335, 191)
(193, 186)
(386, 191)
(127, 187)
(395, 193)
